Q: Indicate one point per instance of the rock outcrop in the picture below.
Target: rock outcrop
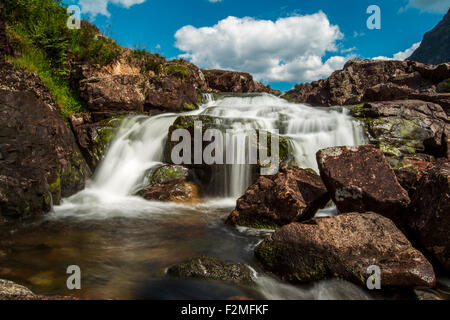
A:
(345, 246)
(429, 217)
(360, 179)
(291, 195)
(208, 268)
(93, 136)
(371, 80)
(236, 82)
(435, 46)
(39, 159)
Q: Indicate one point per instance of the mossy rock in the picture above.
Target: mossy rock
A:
(209, 268)
(167, 174)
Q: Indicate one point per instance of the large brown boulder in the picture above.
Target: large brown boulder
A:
(373, 80)
(39, 159)
(429, 217)
(360, 179)
(291, 195)
(345, 246)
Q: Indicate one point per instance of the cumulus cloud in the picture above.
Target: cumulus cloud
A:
(402, 55)
(437, 6)
(95, 7)
(288, 49)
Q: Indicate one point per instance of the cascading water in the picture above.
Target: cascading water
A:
(139, 143)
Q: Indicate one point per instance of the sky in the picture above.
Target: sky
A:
(282, 42)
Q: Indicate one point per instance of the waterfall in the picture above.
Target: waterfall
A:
(139, 143)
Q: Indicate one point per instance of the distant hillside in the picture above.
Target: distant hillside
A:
(435, 46)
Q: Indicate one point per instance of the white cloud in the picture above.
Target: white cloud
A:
(95, 7)
(437, 6)
(402, 55)
(289, 49)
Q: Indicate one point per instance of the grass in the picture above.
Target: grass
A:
(35, 60)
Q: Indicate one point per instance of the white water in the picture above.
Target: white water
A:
(139, 145)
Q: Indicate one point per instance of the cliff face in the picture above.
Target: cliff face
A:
(435, 46)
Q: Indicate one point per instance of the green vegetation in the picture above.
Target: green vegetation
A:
(146, 61)
(178, 70)
(88, 45)
(43, 44)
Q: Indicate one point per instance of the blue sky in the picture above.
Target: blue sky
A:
(281, 42)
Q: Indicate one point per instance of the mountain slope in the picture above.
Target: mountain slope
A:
(435, 46)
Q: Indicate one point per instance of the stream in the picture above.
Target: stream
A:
(124, 244)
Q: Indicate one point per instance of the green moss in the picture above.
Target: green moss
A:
(168, 173)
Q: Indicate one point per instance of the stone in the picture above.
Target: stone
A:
(345, 246)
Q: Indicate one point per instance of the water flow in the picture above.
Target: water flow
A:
(139, 143)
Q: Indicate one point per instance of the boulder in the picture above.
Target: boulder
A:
(345, 246)
(208, 268)
(39, 160)
(405, 126)
(292, 195)
(167, 174)
(360, 179)
(179, 190)
(429, 217)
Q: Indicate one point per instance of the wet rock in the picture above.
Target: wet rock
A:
(231, 81)
(360, 179)
(179, 190)
(405, 126)
(167, 174)
(292, 195)
(94, 137)
(208, 268)
(40, 160)
(345, 246)
(12, 291)
(429, 217)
